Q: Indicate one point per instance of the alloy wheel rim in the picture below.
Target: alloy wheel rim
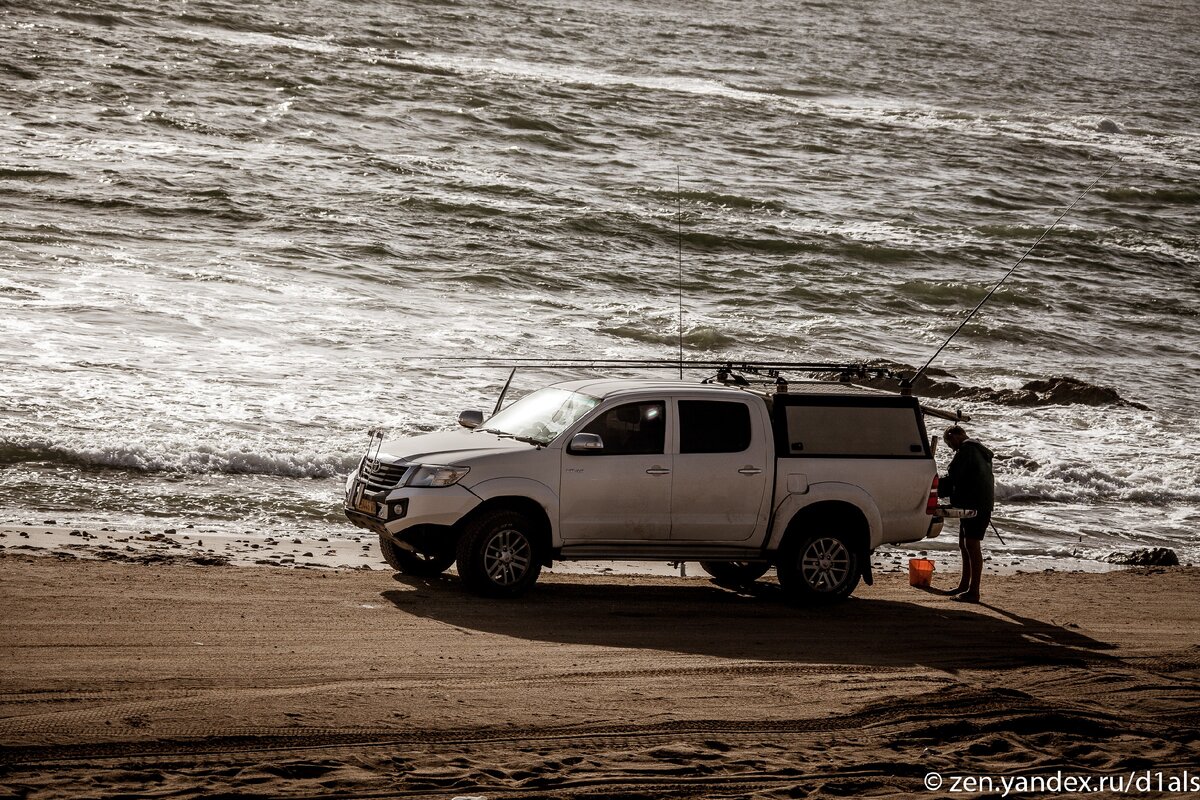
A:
(507, 556)
(825, 564)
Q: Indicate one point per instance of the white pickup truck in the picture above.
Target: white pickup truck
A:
(809, 479)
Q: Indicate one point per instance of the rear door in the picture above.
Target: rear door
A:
(721, 482)
(622, 492)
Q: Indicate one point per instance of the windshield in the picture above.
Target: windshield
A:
(541, 416)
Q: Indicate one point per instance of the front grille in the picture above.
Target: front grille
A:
(380, 475)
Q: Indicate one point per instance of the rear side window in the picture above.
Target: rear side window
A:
(853, 431)
(708, 426)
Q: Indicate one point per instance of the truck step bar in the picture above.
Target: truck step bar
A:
(628, 551)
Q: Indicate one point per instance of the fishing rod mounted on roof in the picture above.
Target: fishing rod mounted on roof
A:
(726, 370)
(733, 373)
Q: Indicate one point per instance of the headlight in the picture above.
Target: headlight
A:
(435, 476)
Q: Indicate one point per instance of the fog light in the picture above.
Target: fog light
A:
(400, 509)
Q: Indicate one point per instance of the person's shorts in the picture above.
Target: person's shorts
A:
(974, 527)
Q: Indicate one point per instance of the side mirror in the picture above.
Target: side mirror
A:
(583, 443)
(470, 419)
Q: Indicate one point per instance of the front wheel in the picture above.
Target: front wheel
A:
(821, 567)
(498, 554)
(423, 565)
(735, 573)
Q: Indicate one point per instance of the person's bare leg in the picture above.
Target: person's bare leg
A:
(974, 548)
(964, 582)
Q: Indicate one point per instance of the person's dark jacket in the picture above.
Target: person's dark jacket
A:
(969, 482)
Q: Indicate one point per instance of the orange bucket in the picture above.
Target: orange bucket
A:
(920, 572)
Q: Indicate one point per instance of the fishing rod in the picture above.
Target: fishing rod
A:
(679, 241)
(735, 365)
(908, 383)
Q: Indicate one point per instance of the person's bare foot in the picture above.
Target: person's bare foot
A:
(966, 597)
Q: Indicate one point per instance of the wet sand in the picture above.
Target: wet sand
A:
(185, 680)
(344, 547)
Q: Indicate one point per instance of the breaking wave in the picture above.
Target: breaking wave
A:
(202, 460)
(1077, 482)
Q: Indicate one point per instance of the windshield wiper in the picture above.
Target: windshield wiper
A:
(507, 435)
(529, 440)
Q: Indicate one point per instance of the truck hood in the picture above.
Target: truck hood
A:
(450, 447)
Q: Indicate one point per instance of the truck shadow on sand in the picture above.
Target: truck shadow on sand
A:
(757, 623)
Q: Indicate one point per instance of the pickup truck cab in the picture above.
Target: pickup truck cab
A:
(809, 478)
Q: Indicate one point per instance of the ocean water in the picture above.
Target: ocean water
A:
(229, 232)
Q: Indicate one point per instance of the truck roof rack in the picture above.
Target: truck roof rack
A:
(729, 372)
(731, 369)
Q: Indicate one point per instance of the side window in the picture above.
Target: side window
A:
(708, 426)
(853, 431)
(633, 429)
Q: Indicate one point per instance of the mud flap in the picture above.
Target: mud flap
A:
(867, 577)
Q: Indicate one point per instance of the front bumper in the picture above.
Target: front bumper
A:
(389, 513)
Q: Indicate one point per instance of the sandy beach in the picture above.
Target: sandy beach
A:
(245, 246)
(186, 680)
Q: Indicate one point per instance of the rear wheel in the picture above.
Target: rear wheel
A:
(499, 555)
(820, 567)
(735, 573)
(411, 563)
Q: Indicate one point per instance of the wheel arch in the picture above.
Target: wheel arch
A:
(847, 517)
(827, 498)
(522, 490)
(519, 503)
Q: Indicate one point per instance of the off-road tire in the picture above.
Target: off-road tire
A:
(820, 566)
(410, 563)
(499, 554)
(735, 573)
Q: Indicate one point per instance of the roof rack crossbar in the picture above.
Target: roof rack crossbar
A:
(771, 368)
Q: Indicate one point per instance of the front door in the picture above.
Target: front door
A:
(622, 491)
(719, 491)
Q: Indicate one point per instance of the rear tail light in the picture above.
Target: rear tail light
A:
(931, 505)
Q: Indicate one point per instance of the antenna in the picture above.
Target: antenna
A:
(908, 383)
(679, 240)
(504, 391)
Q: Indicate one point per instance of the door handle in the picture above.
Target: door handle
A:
(658, 471)
(749, 470)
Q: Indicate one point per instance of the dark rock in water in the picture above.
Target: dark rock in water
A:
(1057, 391)
(1156, 557)
(1108, 126)
(1062, 391)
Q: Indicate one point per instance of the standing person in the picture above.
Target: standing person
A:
(969, 484)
